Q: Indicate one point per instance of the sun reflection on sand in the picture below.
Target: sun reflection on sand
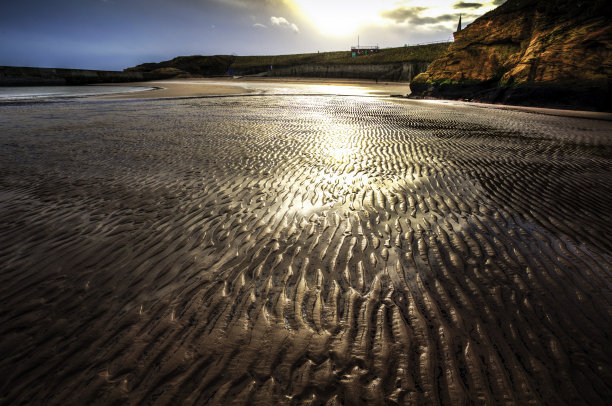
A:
(340, 155)
(338, 89)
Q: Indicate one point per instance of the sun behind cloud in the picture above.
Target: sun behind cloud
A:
(343, 17)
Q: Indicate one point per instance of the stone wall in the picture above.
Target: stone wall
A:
(392, 72)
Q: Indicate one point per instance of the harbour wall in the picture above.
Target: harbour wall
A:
(25, 76)
(402, 72)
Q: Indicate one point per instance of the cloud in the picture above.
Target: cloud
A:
(402, 14)
(258, 25)
(463, 5)
(282, 22)
(498, 2)
(412, 15)
(433, 20)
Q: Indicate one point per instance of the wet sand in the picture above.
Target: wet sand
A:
(187, 88)
(303, 249)
(179, 88)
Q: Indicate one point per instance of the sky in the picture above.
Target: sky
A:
(116, 34)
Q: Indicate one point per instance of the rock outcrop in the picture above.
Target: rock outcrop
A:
(531, 52)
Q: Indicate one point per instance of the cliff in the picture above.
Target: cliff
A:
(22, 76)
(531, 52)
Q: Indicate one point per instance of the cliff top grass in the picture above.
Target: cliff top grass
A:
(425, 53)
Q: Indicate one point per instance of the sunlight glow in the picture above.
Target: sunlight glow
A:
(342, 17)
(345, 17)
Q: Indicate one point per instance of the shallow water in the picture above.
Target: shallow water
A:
(21, 93)
(279, 249)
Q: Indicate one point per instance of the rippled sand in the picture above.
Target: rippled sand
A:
(303, 249)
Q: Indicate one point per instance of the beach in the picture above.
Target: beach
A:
(227, 86)
(303, 242)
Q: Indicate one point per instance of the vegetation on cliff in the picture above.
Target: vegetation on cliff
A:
(529, 52)
(245, 65)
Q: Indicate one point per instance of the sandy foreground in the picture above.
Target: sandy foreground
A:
(303, 243)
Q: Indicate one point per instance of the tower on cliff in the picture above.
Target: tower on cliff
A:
(459, 25)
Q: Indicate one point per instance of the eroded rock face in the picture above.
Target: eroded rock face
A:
(529, 52)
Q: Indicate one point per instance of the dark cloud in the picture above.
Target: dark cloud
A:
(412, 15)
(498, 2)
(402, 14)
(433, 20)
(464, 5)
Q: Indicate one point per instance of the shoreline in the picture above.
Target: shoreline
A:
(201, 87)
(236, 86)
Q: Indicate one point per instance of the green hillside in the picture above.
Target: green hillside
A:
(220, 64)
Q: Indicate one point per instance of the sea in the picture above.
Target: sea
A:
(25, 93)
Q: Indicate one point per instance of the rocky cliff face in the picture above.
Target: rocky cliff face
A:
(539, 52)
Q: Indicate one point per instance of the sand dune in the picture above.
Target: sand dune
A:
(303, 249)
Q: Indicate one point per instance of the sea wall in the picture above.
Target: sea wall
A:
(393, 72)
(23, 76)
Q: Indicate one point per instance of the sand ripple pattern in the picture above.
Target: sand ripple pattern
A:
(303, 250)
